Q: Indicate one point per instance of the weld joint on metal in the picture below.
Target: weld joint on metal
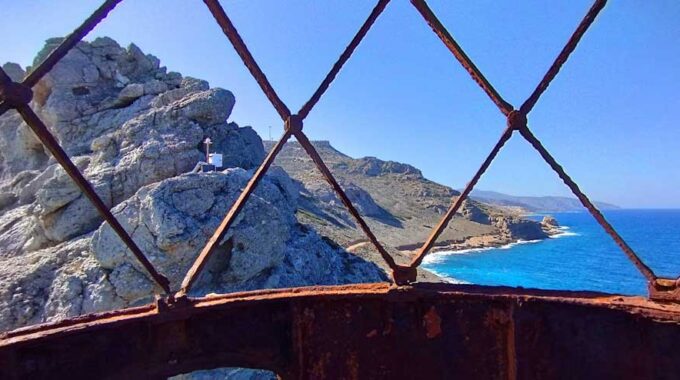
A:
(169, 303)
(15, 94)
(517, 120)
(293, 124)
(664, 290)
(404, 275)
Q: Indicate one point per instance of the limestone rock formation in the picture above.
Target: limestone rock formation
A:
(549, 222)
(125, 121)
(520, 228)
(265, 248)
(171, 220)
(135, 130)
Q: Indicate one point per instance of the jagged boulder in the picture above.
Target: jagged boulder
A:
(171, 221)
(125, 121)
(265, 248)
(549, 221)
(53, 284)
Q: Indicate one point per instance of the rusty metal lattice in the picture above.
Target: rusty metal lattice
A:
(19, 95)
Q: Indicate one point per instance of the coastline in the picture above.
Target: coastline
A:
(475, 244)
(508, 232)
(483, 242)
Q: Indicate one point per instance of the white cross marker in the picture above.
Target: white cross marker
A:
(207, 143)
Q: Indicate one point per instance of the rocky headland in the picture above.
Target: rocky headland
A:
(135, 130)
(399, 204)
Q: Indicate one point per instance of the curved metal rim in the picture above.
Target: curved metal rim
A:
(634, 304)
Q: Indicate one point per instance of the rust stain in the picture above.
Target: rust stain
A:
(511, 353)
(432, 323)
(353, 365)
(502, 320)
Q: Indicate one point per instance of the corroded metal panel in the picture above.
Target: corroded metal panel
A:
(433, 331)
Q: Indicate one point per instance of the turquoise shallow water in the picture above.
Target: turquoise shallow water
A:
(584, 257)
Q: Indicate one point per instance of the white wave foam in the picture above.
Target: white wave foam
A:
(438, 257)
(518, 242)
(447, 277)
(564, 231)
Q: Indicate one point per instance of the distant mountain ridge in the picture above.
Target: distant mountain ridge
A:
(535, 204)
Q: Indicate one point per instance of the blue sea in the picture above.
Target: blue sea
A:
(582, 257)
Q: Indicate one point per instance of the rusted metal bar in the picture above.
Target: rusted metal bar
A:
(13, 94)
(563, 56)
(377, 10)
(644, 269)
(209, 248)
(5, 81)
(519, 123)
(429, 243)
(232, 34)
(314, 155)
(69, 42)
(460, 55)
(664, 290)
(4, 78)
(41, 131)
(293, 125)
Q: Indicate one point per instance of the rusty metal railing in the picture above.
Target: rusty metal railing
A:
(19, 95)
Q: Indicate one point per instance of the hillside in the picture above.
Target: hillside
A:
(535, 204)
(399, 204)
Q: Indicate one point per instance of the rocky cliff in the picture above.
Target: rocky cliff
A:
(135, 130)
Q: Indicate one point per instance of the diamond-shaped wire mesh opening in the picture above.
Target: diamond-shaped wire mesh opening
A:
(14, 97)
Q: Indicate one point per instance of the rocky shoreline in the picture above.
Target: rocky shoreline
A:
(549, 225)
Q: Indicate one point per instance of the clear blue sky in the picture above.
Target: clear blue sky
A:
(611, 117)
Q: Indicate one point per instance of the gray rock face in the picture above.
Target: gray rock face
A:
(518, 228)
(125, 121)
(228, 374)
(134, 130)
(265, 248)
(171, 221)
(52, 284)
(15, 72)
